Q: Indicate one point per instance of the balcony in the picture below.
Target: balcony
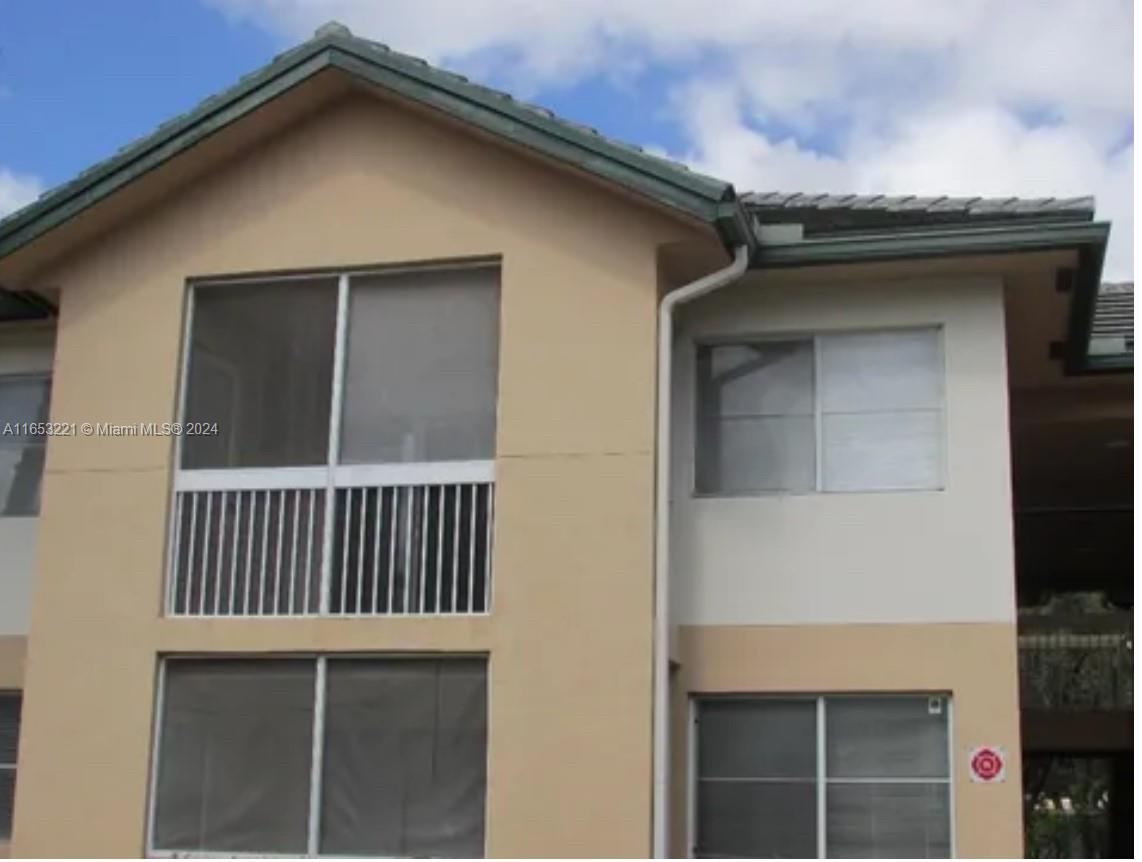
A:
(398, 540)
(345, 462)
(1077, 661)
(1076, 669)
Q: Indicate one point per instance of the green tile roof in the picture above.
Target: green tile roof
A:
(737, 219)
(334, 47)
(829, 213)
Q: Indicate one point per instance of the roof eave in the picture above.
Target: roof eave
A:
(1077, 358)
(941, 242)
(1088, 238)
(693, 195)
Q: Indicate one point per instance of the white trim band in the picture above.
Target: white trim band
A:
(344, 476)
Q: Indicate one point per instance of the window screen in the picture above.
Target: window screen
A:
(403, 757)
(420, 379)
(9, 744)
(261, 367)
(420, 374)
(876, 767)
(757, 779)
(888, 777)
(235, 759)
(23, 400)
(881, 418)
(835, 412)
(755, 417)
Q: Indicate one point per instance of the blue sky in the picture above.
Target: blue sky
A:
(886, 96)
(80, 79)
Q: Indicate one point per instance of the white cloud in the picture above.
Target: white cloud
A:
(17, 190)
(968, 150)
(1006, 97)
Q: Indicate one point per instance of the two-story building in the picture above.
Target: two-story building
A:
(426, 475)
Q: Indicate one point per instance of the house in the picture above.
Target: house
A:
(532, 495)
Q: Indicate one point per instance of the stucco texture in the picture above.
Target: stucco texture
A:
(975, 663)
(939, 556)
(365, 181)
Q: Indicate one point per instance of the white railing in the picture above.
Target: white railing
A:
(366, 541)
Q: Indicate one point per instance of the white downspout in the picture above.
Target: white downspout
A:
(663, 454)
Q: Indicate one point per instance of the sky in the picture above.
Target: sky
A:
(962, 97)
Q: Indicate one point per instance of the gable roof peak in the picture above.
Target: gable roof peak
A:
(670, 184)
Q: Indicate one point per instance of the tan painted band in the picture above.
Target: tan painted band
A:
(975, 662)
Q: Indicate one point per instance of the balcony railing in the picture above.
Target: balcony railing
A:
(1077, 661)
(374, 541)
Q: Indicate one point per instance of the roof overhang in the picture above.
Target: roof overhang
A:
(78, 208)
(1087, 238)
(944, 242)
(24, 305)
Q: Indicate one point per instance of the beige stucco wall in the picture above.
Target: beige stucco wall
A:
(12, 651)
(824, 593)
(882, 557)
(975, 662)
(366, 182)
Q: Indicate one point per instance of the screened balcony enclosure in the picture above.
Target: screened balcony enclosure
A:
(347, 467)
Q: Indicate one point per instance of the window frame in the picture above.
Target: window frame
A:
(332, 475)
(814, 338)
(316, 763)
(45, 376)
(821, 778)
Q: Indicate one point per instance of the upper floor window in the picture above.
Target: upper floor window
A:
(850, 411)
(23, 410)
(419, 370)
(347, 462)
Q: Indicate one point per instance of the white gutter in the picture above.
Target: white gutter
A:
(661, 649)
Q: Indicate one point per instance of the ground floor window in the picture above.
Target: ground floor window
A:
(845, 776)
(328, 756)
(9, 743)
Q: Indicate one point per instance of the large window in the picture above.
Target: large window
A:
(9, 743)
(23, 410)
(859, 411)
(341, 445)
(845, 777)
(399, 768)
(419, 370)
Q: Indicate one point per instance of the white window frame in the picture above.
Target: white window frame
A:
(814, 338)
(822, 779)
(332, 475)
(316, 762)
